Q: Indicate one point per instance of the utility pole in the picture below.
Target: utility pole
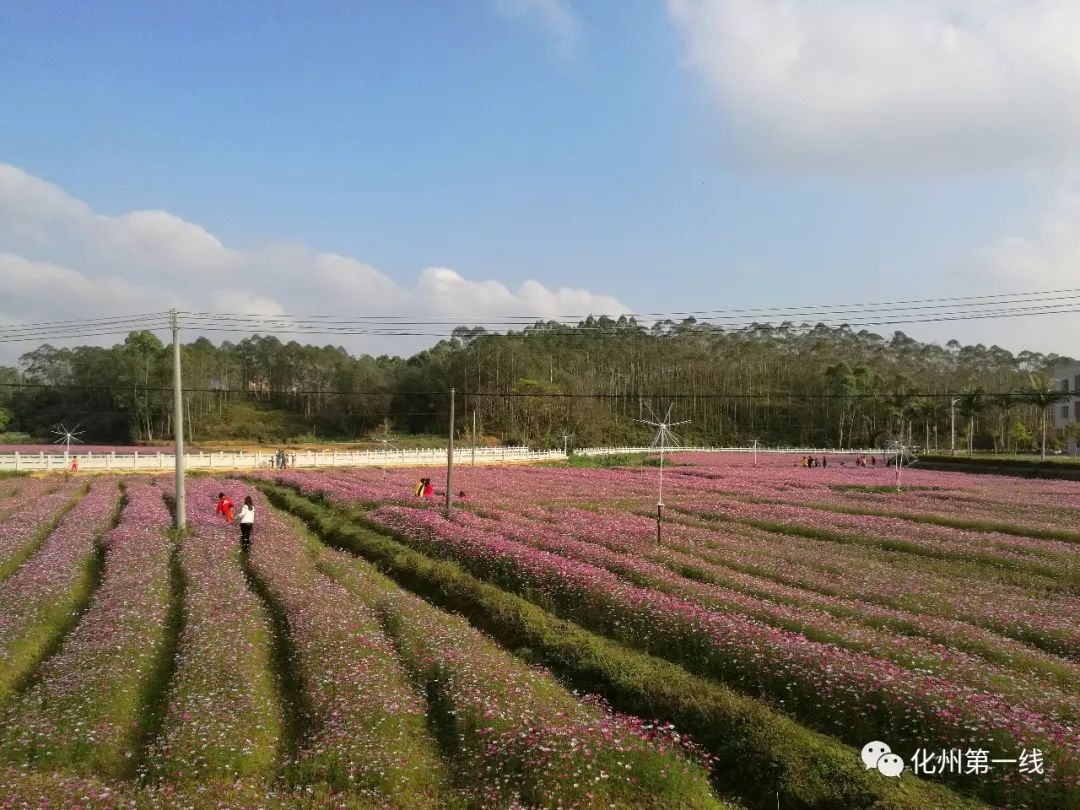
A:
(474, 437)
(952, 429)
(178, 423)
(450, 459)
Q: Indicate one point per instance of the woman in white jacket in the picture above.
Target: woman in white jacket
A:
(247, 522)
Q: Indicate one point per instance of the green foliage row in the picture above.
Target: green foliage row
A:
(1063, 468)
(762, 756)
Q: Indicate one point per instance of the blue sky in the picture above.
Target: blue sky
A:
(630, 150)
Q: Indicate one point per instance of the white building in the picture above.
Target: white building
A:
(1067, 412)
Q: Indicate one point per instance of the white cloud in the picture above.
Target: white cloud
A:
(891, 84)
(61, 260)
(1047, 258)
(554, 15)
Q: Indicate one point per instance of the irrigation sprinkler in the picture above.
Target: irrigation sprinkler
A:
(900, 453)
(66, 436)
(386, 447)
(664, 438)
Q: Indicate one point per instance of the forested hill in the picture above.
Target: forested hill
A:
(787, 384)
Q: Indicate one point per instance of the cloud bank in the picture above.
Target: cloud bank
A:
(61, 260)
(891, 84)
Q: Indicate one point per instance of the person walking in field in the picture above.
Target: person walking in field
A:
(247, 523)
(225, 507)
(74, 465)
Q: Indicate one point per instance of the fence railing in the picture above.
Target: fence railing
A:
(134, 462)
(618, 451)
(417, 457)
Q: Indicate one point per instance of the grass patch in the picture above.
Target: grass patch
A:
(762, 756)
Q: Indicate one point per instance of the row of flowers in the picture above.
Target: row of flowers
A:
(37, 601)
(222, 718)
(857, 584)
(16, 492)
(28, 513)
(83, 711)
(1023, 606)
(366, 728)
(849, 556)
(1032, 503)
(608, 542)
(854, 696)
(516, 735)
(1052, 557)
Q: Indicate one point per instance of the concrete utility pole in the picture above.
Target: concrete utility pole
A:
(450, 459)
(178, 423)
(474, 437)
(952, 429)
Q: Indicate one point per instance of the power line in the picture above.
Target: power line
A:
(1018, 297)
(654, 395)
(914, 311)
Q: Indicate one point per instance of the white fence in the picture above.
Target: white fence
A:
(618, 451)
(133, 462)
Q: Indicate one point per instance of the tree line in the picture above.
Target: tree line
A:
(786, 384)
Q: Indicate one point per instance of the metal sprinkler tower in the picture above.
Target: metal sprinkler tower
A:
(900, 451)
(663, 439)
(66, 436)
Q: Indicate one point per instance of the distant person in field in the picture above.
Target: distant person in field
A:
(429, 490)
(74, 464)
(461, 495)
(873, 461)
(418, 490)
(225, 507)
(247, 523)
(824, 462)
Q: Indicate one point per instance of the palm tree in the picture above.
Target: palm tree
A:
(972, 403)
(928, 410)
(1041, 393)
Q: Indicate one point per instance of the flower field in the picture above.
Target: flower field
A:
(540, 646)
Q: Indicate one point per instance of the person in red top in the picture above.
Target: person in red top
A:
(75, 464)
(429, 490)
(225, 507)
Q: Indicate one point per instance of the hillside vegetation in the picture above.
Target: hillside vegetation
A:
(787, 384)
